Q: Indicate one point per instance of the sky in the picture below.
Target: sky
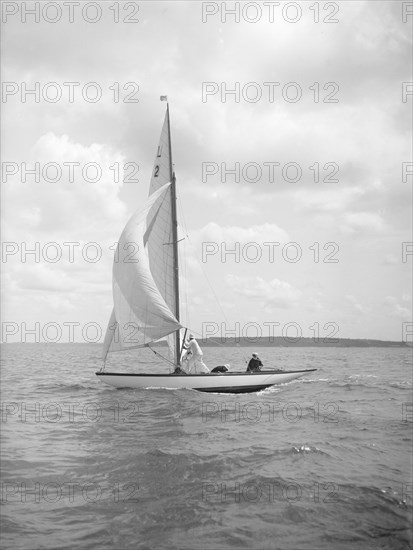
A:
(291, 137)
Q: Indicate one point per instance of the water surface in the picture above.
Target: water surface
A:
(323, 462)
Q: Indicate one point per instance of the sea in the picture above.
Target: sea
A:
(323, 462)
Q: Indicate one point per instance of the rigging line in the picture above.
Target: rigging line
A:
(176, 242)
(183, 258)
(246, 359)
(162, 357)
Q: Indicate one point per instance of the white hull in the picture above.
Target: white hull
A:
(220, 382)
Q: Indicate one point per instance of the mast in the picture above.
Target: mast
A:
(174, 238)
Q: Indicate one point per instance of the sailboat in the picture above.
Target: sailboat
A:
(146, 294)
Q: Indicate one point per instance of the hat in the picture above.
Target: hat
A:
(191, 335)
(255, 354)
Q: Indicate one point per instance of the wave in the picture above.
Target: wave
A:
(402, 385)
(307, 449)
(64, 387)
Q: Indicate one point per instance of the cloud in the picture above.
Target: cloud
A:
(396, 309)
(330, 200)
(266, 232)
(366, 57)
(364, 222)
(85, 193)
(355, 304)
(273, 293)
(60, 220)
(390, 259)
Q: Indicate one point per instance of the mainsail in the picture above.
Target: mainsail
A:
(145, 286)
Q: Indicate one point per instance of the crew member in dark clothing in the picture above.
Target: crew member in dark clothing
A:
(254, 364)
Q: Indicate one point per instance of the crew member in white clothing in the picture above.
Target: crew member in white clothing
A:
(194, 356)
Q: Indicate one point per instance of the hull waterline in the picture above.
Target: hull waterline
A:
(220, 382)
